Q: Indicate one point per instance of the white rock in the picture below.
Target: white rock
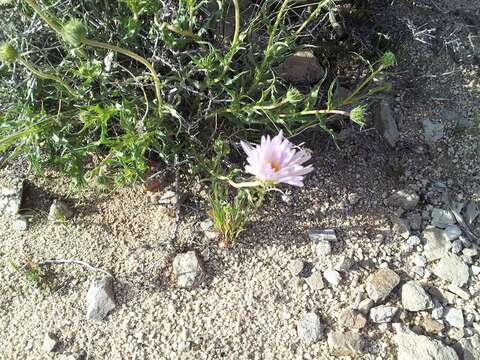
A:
(11, 194)
(332, 276)
(50, 342)
(189, 269)
(417, 347)
(415, 298)
(383, 313)
(437, 243)
(309, 328)
(317, 235)
(323, 248)
(455, 318)
(20, 223)
(452, 268)
(100, 298)
(315, 281)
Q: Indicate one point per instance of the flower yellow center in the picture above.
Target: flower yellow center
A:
(274, 165)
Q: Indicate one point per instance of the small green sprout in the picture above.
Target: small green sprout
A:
(357, 115)
(388, 59)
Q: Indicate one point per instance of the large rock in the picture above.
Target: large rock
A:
(418, 347)
(301, 68)
(11, 195)
(59, 211)
(381, 283)
(100, 298)
(452, 268)
(414, 297)
(437, 243)
(189, 269)
(309, 328)
(404, 199)
(383, 313)
(468, 348)
(352, 319)
(349, 343)
(455, 318)
(386, 124)
(442, 218)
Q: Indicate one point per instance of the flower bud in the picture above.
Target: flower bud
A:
(74, 32)
(8, 53)
(357, 115)
(388, 59)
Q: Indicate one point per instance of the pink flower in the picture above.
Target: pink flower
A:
(276, 160)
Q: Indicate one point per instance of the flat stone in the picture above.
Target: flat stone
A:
(385, 123)
(412, 347)
(432, 132)
(381, 283)
(352, 319)
(401, 227)
(383, 313)
(59, 211)
(471, 212)
(50, 342)
(11, 195)
(189, 269)
(345, 344)
(333, 277)
(309, 328)
(437, 243)
(452, 269)
(317, 235)
(465, 295)
(323, 248)
(468, 348)
(453, 232)
(100, 298)
(442, 218)
(315, 281)
(415, 298)
(433, 326)
(455, 318)
(404, 199)
(296, 267)
(301, 68)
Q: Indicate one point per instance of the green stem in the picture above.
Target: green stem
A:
(148, 65)
(359, 88)
(245, 184)
(236, 34)
(316, 112)
(312, 16)
(52, 23)
(47, 76)
(185, 33)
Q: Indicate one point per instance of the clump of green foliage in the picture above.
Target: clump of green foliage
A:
(96, 88)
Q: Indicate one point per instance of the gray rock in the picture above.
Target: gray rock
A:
(383, 313)
(189, 269)
(401, 227)
(471, 213)
(317, 235)
(323, 248)
(412, 347)
(420, 260)
(455, 318)
(442, 218)
(309, 328)
(432, 132)
(468, 348)
(457, 247)
(345, 263)
(352, 319)
(301, 68)
(437, 312)
(405, 199)
(100, 298)
(437, 243)
(415, 221)
(50, 342)
(349, 343)
(315, 281)
(332, 276)
(59, 211)
(381, 283)
(296, 267)
(452, 268)
(386, 124)
(11, 195)
(20, 223)
(414, 297)
(453, 232)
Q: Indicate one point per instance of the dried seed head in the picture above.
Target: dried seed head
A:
(388, 59)
(74, 32)
(8, 53)
(357, 115)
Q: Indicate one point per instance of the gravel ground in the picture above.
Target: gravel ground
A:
(250, 304)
